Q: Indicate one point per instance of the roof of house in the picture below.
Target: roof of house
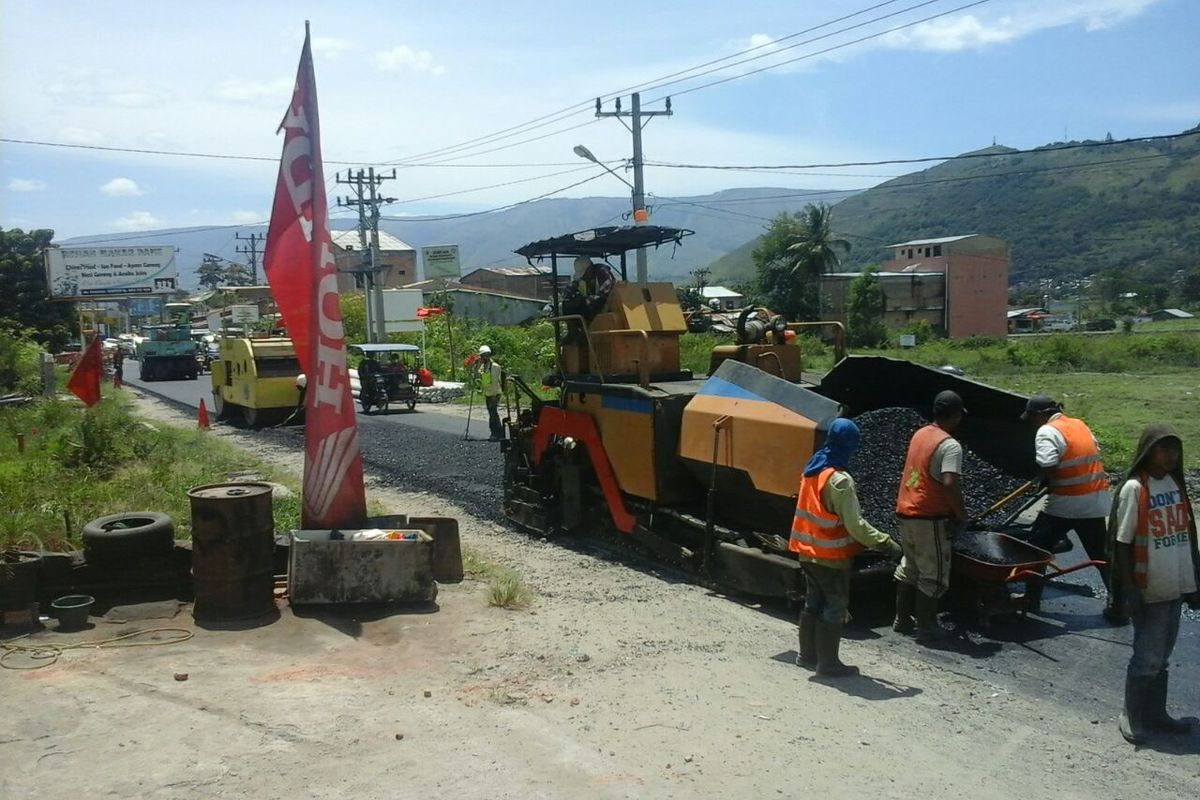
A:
(718, 292)
(454, 286)
(942, 240)
(348, 240)
(1020, 312)
(1175, 312)
(512, 271)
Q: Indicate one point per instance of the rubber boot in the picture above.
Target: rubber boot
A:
(829, 639)
(1132, 719)
(928, 628)
(807, 655)
(1155, 714)
(906, 597)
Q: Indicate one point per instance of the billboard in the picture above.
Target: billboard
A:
(75, 273)
(400, 310)
(441, 261)
(243, 314)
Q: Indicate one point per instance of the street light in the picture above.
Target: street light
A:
(583, 152)
(639, 211)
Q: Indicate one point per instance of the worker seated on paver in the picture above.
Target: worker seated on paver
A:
(590, 285)
(368, 366)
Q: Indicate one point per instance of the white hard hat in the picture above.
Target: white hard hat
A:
(484, 350)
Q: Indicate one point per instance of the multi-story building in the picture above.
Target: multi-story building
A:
(398, 260)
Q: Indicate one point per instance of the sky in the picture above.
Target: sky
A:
(411, 82)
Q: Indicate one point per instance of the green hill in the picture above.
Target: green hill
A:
(1064, 212)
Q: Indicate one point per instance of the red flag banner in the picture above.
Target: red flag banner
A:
(85, 378)
(300, 268)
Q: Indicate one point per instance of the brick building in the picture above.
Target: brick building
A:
(959, 284)
(398, 259)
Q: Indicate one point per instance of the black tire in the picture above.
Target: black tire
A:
(411, 403)
(132, 533)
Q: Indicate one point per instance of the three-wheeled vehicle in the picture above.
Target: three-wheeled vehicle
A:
(386, 374)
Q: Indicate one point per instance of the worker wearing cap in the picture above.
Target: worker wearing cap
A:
(930, 506)
(828, 531)
(490, 381)
(1078, 498)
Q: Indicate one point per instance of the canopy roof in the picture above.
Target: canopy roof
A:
(386, 348)
(604, 242)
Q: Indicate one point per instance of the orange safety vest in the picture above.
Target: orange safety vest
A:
(816, 533)
(1079, 470)
(921, 496)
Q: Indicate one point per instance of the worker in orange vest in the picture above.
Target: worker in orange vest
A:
(1078, 498)
(1158, 562)
(930, 507)
(828, 531)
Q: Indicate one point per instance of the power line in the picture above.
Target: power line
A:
(926, 159)
(831, 49)
(490, 186)
(497, 208)
(577, 108)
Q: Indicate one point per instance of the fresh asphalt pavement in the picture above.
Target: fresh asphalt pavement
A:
(1065, 655)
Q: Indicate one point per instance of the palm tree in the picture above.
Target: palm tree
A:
(814, 250)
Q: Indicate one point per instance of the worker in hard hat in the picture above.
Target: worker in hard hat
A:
(930, 507)
(491, 378)
(1077, 500)
(828, 531)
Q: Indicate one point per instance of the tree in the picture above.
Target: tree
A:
(25, 302)
(211, 273)
(865, 305)
(237, 275)
(689, 298)
(1190, 288)
(815, 248)
(790, 258)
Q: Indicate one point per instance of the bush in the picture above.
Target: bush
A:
(20, 364)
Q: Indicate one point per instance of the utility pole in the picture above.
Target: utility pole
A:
(254, 239)
(636, 115)
(367, 201)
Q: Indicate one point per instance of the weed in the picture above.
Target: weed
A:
(506, 589)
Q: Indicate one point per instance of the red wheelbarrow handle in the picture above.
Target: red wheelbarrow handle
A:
(1017, 575)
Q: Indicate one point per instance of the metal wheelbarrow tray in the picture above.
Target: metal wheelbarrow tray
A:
(985, 562)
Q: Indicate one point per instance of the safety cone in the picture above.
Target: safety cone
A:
(202, 417)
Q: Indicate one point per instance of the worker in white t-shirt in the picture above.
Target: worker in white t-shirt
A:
(1078, 498)
(1159, 565)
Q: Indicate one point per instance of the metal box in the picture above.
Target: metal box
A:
(322, 570)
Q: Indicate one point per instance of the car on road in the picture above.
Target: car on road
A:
(1100, 325)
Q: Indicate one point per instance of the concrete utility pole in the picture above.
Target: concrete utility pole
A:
(367, 201)
(636, 115)
(255, 239)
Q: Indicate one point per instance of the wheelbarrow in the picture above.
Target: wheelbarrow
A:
(984, 563)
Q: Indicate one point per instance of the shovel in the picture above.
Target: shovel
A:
(1008, 498)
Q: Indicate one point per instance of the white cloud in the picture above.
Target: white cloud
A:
(121, 187)
(137, 98)
(241, 91)
(330, 46)
(72, 135)
(138, 221)
(975, 31)
(26, 185)
(403, 58)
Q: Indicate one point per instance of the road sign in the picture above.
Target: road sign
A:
(243, 315)
(441, 261)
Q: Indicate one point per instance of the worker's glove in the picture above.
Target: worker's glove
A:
(894, 549)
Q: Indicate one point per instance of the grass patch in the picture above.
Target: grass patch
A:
(80, 464)
(505, 587)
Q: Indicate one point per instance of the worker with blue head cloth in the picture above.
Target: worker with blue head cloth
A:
(828, 531)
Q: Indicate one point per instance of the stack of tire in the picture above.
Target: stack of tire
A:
(126, 537)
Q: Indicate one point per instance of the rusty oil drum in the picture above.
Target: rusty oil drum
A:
(233, 544)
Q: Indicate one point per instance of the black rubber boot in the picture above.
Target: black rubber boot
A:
(906, 597)
(1155, 714)
(807, 655)
(829, 639)
(1132, 719)
(928, 628)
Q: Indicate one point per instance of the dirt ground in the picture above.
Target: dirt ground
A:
(618, 682)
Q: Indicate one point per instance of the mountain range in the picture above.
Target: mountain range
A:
(489, 239)
(1066, 209)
